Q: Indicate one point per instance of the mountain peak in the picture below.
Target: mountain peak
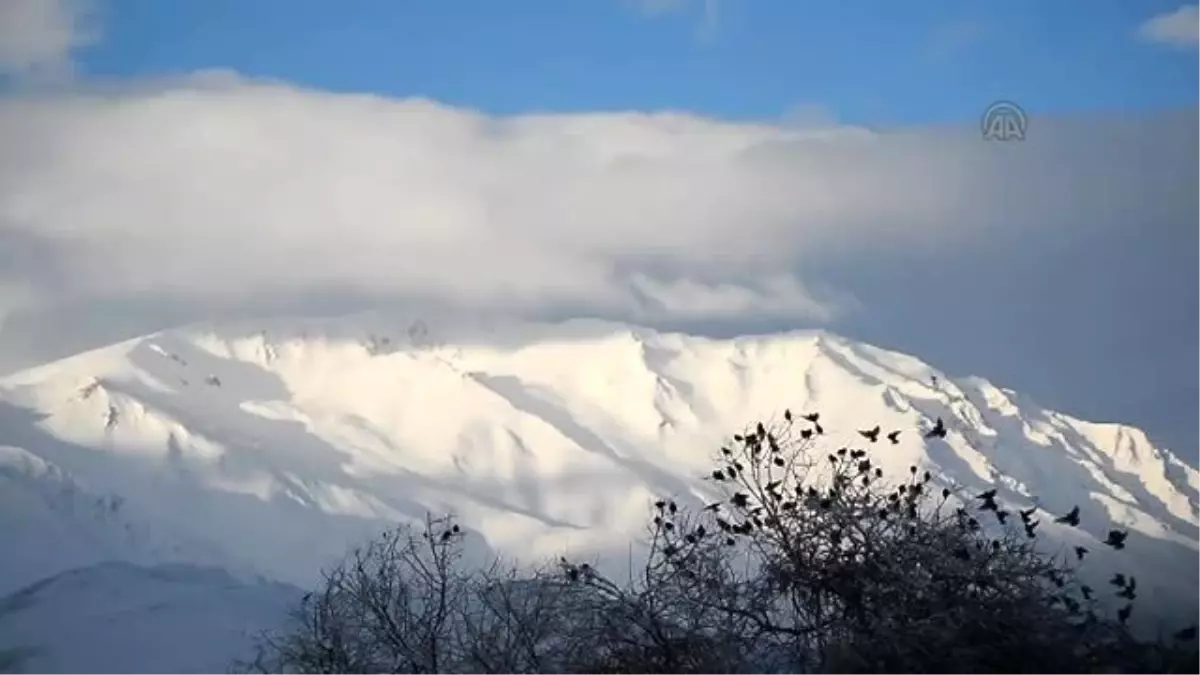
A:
(270, 447)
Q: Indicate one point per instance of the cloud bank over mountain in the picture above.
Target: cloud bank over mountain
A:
(126, 208)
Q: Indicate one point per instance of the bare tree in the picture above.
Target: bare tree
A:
(821, 563)
(403, 604)
(392, 606)
(810, 562)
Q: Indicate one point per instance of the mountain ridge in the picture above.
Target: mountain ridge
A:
(269, 448)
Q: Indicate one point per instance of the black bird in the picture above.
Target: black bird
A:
(1130, 590)
(871, 434)
(894, 437)
(1080, 551)
(1124, 612)
(660, 505)
(1117, 580)
(938, 430)
(787, 415)
(1086, 591)
(717, 474)
(1002, 516)
(446, 535)
(1071, 518)
(740, 499)
(989, 500)
(1030, 527)
(455, 529)
(806, 433)
(813, 417)
(1186, 635)
(712, 507)
(778, 461)
(762, 431)
(1116, 539)
(818, 428)
(672, 507)
(1026, 514)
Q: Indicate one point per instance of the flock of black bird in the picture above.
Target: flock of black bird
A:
(1115, 539)
(759, 437)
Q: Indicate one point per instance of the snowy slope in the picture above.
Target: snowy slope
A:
(270, 448)
(119, 618)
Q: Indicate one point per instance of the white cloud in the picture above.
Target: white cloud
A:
(1180, 28)
(687, 299)
(213, 186)
(1063, 265)
(219, 189)
(37, 37)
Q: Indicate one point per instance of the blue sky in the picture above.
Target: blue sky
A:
(877, 63)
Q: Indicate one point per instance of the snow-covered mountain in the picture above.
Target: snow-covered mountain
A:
(269, 449)
(116, 617)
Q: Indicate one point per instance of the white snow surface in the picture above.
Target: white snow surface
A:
(268, 449)
(116, 617)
